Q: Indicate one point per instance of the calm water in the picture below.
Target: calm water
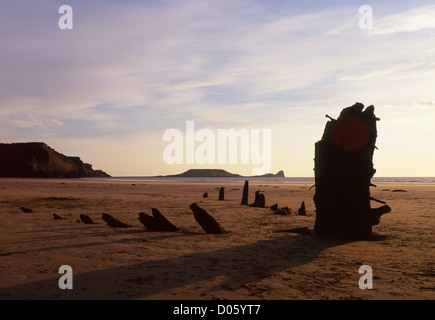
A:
(307, 180)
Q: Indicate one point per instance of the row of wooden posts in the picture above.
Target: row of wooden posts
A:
(259, 197)
(259, 201)
(158, 222)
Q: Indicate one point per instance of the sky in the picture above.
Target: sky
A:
(108, 89)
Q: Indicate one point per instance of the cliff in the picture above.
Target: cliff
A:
(37, 160)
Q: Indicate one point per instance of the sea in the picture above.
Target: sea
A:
(304, 180)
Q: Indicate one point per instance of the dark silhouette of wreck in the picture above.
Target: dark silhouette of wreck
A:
(245, 193)
(222, 193)
(156, 222)
(206, 220)
(343, 169)
(113, 222)
(260, 200)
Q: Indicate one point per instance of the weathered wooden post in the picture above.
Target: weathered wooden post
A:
(301, 210)
(156, 222)
(245, 193)
(260, 200)
(343, 168)
(86, 219)
(205, 220)
(163, 223)
(113, 222)
(222, 193)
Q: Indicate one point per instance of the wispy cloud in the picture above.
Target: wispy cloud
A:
(413, 20)
(128, 71)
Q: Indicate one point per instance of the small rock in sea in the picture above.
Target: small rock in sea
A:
(399, 190)
(113, 222)
(26, 210)
(56, 217)
(274, 207)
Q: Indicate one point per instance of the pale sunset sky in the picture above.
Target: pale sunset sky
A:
(108, 89)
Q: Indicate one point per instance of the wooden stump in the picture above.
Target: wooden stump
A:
(301, 211)
(245, 193)
(148, 221)
(156, 222)
(206, 221)
(86, 219)
(112, 222)
(343, 169)
(260, 200)
(57, 217)
(163, 223)
(222, 193)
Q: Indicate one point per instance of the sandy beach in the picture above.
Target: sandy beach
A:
(259, 259)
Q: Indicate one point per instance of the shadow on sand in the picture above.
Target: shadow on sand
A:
(237, 265)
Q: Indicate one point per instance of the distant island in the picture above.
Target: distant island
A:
(218, 173)
(279, 174)
(38, 160)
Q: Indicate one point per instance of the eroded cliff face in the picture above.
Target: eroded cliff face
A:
(37, 160)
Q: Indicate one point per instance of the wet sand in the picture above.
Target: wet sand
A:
(258, 259)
